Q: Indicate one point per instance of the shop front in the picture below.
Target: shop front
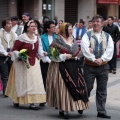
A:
(107, 8)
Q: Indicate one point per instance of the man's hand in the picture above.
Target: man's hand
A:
(98, 61)
(9, 54)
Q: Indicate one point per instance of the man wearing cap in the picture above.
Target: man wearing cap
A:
(15, 27)
(25, 18)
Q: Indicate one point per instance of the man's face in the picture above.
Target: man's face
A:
(52, 28)
(81, 25)
(110, 21)
(90, 24)
(97, 24)
(8, 25)
(105, 22)
(14, 22)
(115, 19)
(119, 21)
(25, 18)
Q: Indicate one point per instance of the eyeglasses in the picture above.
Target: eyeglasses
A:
(52, 27)
(33, 26)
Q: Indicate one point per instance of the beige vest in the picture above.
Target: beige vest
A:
(103, 41)
(4, 41)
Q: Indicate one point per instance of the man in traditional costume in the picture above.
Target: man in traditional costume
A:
(96, 63)
(7, 39)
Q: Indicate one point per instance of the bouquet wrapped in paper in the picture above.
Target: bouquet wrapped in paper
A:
(24, 57)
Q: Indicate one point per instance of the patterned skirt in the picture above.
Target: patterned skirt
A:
(33, 77)
(57, 93)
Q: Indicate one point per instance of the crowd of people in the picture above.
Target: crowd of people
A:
(58, 63)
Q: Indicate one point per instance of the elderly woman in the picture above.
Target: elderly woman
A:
(25, 85)
(66, 89)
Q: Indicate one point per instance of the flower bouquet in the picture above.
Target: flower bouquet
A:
(54, 52)
(24, 57)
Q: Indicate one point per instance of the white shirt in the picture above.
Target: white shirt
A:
(80, 31)
(74, 32)
(41, 53)
(85, 43)
(50, 39)
(14, 28)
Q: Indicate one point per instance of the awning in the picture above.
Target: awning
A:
(116, 2)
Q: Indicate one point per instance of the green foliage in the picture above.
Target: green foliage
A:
(54, 52)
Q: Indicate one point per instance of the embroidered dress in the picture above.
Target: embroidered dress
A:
(26, 85)
(66, 89)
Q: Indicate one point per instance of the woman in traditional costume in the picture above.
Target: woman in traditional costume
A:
(25, 84)
(65, 87)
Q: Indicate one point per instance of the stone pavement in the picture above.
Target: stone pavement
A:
(113, 91)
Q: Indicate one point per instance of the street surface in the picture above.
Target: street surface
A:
(9, 112)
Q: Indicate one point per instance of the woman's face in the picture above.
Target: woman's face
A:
(70, 30)
(32, 28)
(60, 23)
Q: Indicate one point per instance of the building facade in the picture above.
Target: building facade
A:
(66, 10)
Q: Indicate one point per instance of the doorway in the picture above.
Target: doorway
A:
(102, 10)
(48, 9)
(71, 11)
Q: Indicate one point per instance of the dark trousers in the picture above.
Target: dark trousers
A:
(44, 70)
(5, 70)
(101, 75)
(113, 62)
(81, 62)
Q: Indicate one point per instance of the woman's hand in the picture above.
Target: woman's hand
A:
(45, 53)
(68, 56)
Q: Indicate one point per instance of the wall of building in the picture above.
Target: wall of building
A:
(29, 7)
(60, 9)
(86, 9)
(12, 10)
(39, 10)
(113, 10)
